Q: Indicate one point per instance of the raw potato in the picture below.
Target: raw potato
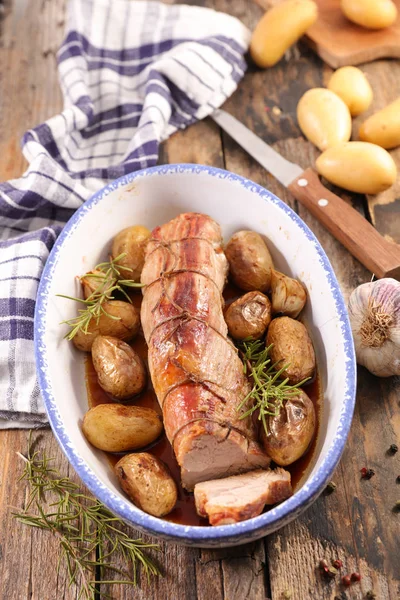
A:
(372, 14)
(279, 29)
(324, 118)
(250, 262)
(95, 281)
(124, 328)
(358, 166)
(288, 295)
(383, 127)
(120, 370)
(248, 316)
(291, 431)
(292, 346)
(351, 85)
(131, 241)
(118, 428)
(148, 483)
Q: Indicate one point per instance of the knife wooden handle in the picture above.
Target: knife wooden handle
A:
(360, 238)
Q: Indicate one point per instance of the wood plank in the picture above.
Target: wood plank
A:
(31, 32)
(28, 557)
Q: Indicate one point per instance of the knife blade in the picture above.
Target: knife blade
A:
(380, 256)
(283, 170)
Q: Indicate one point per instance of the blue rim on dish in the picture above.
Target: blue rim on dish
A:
(189, 534)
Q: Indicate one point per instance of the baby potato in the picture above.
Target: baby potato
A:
(351, 85)
(95, 281)
(148, 483)
(248, 316)
(383, 127)
(372, 14)
(120, 370)
(358, 166)
(292, 346)
(123, 324)
(132, 242)
(324, 118)
(291, 431)
(119, 428)
(279, 29)
(288, 295)
(250, 262)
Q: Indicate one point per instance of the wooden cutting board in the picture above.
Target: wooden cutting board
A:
(340, 42)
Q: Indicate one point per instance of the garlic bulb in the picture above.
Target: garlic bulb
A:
(288, 295)
(374, 310)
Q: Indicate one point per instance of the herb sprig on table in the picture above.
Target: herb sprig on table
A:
(269, 392)
(90, 536)
(107, 282)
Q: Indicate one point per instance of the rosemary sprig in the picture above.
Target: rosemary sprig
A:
(107, 282)
(90, 536)
(269, 392)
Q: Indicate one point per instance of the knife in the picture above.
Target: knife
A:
(361, 239)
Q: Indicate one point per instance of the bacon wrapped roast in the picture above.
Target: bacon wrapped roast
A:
(196, 371)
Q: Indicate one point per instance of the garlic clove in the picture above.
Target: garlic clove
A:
(374, 311)
(288, 295)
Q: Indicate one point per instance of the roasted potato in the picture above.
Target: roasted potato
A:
(291, 346)
(131, 242)
(280, 27)
(358, 166)
(119, 428)
(288, 296)
(120, 370)
(95, 281)
(123, 324)
(148, 483)
(250, 262)
(248, 316)
(291, 431)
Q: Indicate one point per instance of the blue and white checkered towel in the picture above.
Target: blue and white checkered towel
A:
(132, 73)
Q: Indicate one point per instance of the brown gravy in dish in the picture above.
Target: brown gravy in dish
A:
(184, 512)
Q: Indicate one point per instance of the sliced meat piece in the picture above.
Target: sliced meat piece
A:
(195, 368)
(241, 497)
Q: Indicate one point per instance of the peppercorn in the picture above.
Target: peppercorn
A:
(396, 507)
(393, 449)
(346, 580)
(337, 564)
(355, 577)
(331, 487)
(367, 473)
(370, 595)
(398, 479)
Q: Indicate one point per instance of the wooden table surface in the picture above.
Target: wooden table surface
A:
(356, 523)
